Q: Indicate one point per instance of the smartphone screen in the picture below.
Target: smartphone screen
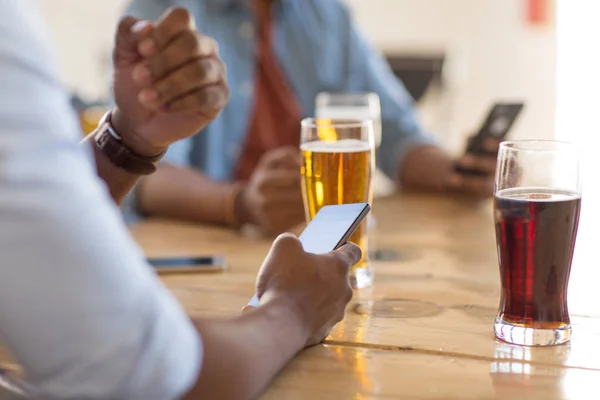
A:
(188, 264)
(330, 229)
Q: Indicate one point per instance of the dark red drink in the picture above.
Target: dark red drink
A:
(535, 232)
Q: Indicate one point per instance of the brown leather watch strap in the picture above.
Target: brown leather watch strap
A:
(109, 142)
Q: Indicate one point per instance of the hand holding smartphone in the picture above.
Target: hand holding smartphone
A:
(497, 125)
(330, 229)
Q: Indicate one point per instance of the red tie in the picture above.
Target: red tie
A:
(275, 117)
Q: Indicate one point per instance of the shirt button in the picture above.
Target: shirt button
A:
(245, 89)
(246, 30)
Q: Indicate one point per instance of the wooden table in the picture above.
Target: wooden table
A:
(423, 331)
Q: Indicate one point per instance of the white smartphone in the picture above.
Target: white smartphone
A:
(330, 229)
(191, 265)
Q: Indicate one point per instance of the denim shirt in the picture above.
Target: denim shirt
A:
(318, 48)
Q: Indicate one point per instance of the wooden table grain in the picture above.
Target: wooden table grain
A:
(358, 373)
(422, 331)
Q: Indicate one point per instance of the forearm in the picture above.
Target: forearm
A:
(425, 169)
(119, 181)
(242, 355)
(183, 193)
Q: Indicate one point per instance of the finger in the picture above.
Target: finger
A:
(284, 206)
(129, 32)
(171, 24)
(208, 101)
(192, 76)
(481, 163)
(487, 146)
(287, 242)
(279, 203)
(284, 203)
(186, 47)
(291, 159)
(280, 179)
(283, 156)
(491, 145)
(288, 194)
(246, 309)
(349, 255)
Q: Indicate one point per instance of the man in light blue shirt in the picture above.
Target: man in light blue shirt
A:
(318, 48)
(80, 309)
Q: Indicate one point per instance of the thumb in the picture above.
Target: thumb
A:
(130, 32)
(246, 309)
(349, 255)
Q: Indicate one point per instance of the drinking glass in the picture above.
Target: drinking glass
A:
(337, 168)
(536, 210)
(362, 106)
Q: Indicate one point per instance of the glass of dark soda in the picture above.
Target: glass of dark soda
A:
(537, 198)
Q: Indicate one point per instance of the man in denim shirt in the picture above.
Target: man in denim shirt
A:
(244, 168)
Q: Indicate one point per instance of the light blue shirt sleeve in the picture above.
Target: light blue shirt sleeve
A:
(401, 131)
(79, 307)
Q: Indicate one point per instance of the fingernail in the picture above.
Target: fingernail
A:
(146, 47)
(141, 74)
(148, 97)
(139, 26)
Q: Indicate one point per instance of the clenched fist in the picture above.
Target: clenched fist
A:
(169, 81)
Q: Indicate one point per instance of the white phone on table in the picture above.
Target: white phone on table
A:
(330, 229)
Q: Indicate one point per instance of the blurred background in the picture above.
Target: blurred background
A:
(456, 57)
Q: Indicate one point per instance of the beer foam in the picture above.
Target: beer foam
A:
(534, 194)
(340, 146)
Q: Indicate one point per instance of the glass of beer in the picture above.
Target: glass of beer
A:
(360, 105)
(536, 210)
(338, 160)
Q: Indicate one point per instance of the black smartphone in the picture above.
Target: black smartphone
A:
(178, 265)
(330, 229)
(497, 125)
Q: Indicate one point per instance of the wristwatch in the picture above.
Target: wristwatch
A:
(110, 143)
